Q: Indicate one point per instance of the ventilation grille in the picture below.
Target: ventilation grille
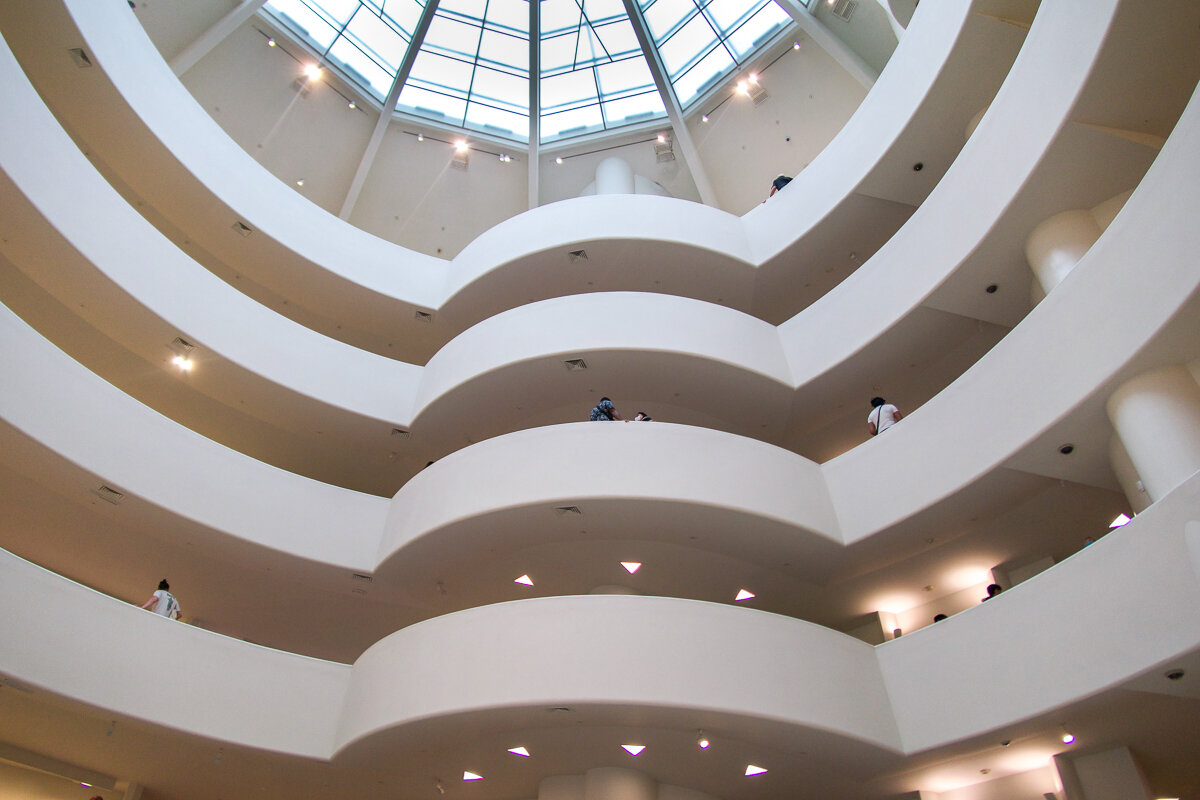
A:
(79, 57)
(423, 316)
(564, 511)
(181, 346)
(575, 364)
(400, 432)
(577, 256)
(359, 577)
(844, 9)
(109, 495)
(242, 228)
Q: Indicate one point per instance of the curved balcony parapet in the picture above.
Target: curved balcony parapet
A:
(1090, 625)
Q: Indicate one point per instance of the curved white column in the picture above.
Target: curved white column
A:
(614, 176)
(1157, 416)
(1127, 476)
(1055, 246)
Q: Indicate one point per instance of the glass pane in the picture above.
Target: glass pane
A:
(726, 14)
(628, 76)
(618, 38)
(377, 80)
(572, 123)
(686, 45)
(634, 109)
(405, 14)
(748, 38)
(598, 10)
(339, 11)
(425, 103)
(498, 122)
(568, 90)
(510, 14)
(439, 71)
(504, 50)
(306, 22)
(467, 8)
(452, 36)
(501, 89)
(378, 39)
(558, 15)
(701, 76)
(589, 48)
(665, 15)
(558, 53)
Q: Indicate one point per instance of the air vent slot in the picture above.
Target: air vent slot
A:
(577, 256)
(564, 511)
(360, 577)
(242, 228)
(79, 57)
(575, 364)
(423, 316)
(844, 9)
(109, 495)
(401, 433)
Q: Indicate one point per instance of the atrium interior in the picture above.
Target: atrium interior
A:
(305, 304)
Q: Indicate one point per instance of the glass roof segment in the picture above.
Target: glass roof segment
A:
(472, 69)
(593, 73)
(472, 66)
(366, 39)
(702, 41)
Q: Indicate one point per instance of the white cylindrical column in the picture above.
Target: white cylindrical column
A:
(1157, 416)
(1056, 245)
(614, 176)
(1127, 477)
(618, 783)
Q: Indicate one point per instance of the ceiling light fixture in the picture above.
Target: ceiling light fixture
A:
(519, 751)
(744, 594)
(1067, 736)
(300, 182)
(524, 580)
(1120, 520)
(795, 45)
(631, 566)
(270, 42)
(751, 769)
(633, 749)
(352, 104)
(558, 160)
(420, 137)
(461, 145)
(704, 118)
(184, 364)
(312, 71)
(471, 776)
(702, 742)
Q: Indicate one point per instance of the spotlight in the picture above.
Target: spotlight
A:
(704, 118)
(312, 72)
(795, 45)
(461, 146)
(420, 137)
(558, 160)
(352, 104)
(270, 42)
(742, 87)
(1067, 736)
(702, 742)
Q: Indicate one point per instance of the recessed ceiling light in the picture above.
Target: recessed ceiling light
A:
(524, 580)
(662, 138)
(702, 742)
(352, 104)
(300, 182)
(631, 566)
(519, 751)
(1121, 519)
(742, 87)
(270, 42)
(312, 71)
(461, 145)
(420, 137)
(1067, 736)
(751, 769)
(744, 594)
(633, 749)
(795, 45)
(558, 160)
(471, 776)
(184, 364)
(704, 118)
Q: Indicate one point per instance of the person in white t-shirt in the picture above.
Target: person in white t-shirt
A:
(162, 602)
(883, 416)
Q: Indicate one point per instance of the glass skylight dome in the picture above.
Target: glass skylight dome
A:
(467, 63)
